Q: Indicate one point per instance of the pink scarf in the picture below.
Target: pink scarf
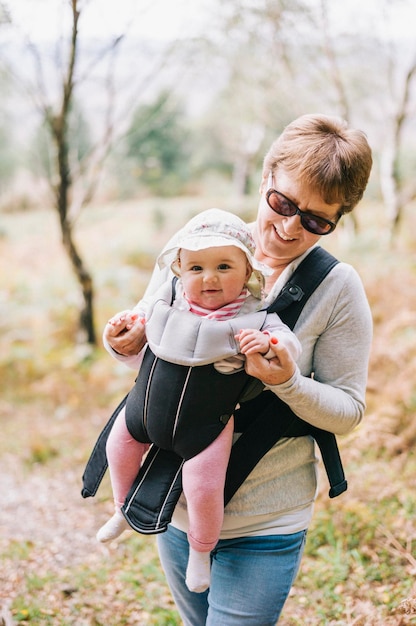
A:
(227, 311)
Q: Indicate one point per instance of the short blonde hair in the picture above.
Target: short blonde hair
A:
(325, 153)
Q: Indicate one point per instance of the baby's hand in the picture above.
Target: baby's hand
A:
(274, 371)
(252, 341)
(123, 322)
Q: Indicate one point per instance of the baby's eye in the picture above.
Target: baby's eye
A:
(196, 268)
(224, 266)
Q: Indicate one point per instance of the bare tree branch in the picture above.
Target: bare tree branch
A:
(394, 194)
(331, 56)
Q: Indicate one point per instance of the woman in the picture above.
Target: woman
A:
(314, 173)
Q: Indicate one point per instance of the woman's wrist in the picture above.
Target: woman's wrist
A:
(285, 385)
(118, 353)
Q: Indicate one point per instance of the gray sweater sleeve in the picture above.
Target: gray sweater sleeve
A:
(335, 330)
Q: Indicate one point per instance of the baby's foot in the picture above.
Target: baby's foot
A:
(113, 528)
(198, 572)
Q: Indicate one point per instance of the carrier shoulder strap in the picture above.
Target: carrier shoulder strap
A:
(97, 463)
(305, 279)
(267, 418)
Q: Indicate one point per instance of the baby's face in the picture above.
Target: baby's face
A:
(215, 276)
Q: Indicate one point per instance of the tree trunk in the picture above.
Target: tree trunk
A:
(390, 187)
(59, 128)
(85, 280)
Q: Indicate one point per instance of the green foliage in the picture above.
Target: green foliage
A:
(41, 451)
(33, 614)
(158, 145)
(79, 144)
(8, 160)
(358, 548)
(18, 550)
(8, 154)
(126, 588)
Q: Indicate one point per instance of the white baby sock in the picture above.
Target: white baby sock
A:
(113, 528)
(198, 572)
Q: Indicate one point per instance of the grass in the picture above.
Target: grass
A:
(359, 565)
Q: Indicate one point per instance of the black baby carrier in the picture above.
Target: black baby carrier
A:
(262, 420)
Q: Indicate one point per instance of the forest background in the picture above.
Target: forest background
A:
(116, 126)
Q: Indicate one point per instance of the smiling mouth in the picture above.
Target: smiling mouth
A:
(283, 236)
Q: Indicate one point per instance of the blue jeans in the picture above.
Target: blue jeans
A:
(250, 578)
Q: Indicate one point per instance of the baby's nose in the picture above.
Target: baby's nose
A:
(210, 276)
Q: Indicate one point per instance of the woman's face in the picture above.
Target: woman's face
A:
(281, 239)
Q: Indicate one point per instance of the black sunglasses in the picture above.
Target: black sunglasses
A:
(312, 223)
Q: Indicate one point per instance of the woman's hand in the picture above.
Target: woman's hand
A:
(275, 371)
(125, 333)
